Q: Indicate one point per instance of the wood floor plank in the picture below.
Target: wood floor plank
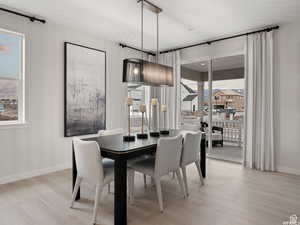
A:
(231, 195)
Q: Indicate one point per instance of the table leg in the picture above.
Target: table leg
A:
(74, 173)
(203, 157)
(120, 192)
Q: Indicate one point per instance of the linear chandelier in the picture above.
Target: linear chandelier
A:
(141, 71)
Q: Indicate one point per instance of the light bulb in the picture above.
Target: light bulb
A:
(136, 71)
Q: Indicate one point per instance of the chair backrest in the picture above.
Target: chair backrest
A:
(168, 154)
(191, 148)
(110, 132)
(111, 137)
(88, 160)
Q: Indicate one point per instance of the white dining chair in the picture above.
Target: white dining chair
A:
(90, 168)
(191, 154)
(110, 137)
(167, 160)
(116, 131)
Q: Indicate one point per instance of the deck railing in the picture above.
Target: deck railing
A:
(232, 130)
(136, 121)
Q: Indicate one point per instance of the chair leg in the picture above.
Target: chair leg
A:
(178, 174)
(145, 181)
(99, 189)
(185, 180)
(75, 191)
(159, 193)
(173, 175)
(131, 186)
(200, 172)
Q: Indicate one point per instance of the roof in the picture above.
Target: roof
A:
(227, 92)
(190, 97)
(190, 90)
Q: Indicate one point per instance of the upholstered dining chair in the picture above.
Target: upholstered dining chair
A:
(167, 160)
(116, 131)
(90, 168)
(191, 154)
(110, 137)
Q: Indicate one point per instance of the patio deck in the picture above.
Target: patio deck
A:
(229, 152)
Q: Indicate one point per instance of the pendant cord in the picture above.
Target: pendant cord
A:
(157, 40)
(142, 28)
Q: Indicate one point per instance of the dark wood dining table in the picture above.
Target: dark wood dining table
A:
(122, 151)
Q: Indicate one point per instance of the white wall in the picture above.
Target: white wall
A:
(229, 47)
(287, 88)
(40, 146)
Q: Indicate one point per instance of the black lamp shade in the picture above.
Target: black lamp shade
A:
(132, 71)
(147, 73)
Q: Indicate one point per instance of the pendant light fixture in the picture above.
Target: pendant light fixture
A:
(141, 71)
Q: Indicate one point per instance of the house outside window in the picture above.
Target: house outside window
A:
(12, 69)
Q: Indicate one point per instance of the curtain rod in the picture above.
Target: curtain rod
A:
(31, 18)
(221, 39)
(139, 50)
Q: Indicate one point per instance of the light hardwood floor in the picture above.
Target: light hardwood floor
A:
(231, 196)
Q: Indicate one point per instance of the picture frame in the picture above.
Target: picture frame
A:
(84, 90)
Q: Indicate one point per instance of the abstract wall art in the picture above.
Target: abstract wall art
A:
(85, 90)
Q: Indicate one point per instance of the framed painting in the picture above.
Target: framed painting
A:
(85, 90)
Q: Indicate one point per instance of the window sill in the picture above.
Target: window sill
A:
(13, 125)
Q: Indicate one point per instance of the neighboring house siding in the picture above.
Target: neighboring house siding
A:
(229, 99)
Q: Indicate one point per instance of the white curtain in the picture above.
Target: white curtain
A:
(170, 96)
(155, 92)
(259, 139)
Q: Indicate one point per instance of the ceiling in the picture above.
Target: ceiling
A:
(181, 22)
(224, 63)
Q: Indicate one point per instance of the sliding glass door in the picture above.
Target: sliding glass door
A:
(227, 108)
(212, 100)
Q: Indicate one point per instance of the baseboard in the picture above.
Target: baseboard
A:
(288, 170)
(34, 173)
(283, 169)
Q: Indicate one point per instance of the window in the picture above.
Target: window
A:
(188, 96)
(140, 95)
(11, 77)
(193, 97)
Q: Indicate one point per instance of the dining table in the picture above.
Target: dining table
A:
(121, 152)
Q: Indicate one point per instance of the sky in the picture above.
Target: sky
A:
(10, 63)
(10, 55)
